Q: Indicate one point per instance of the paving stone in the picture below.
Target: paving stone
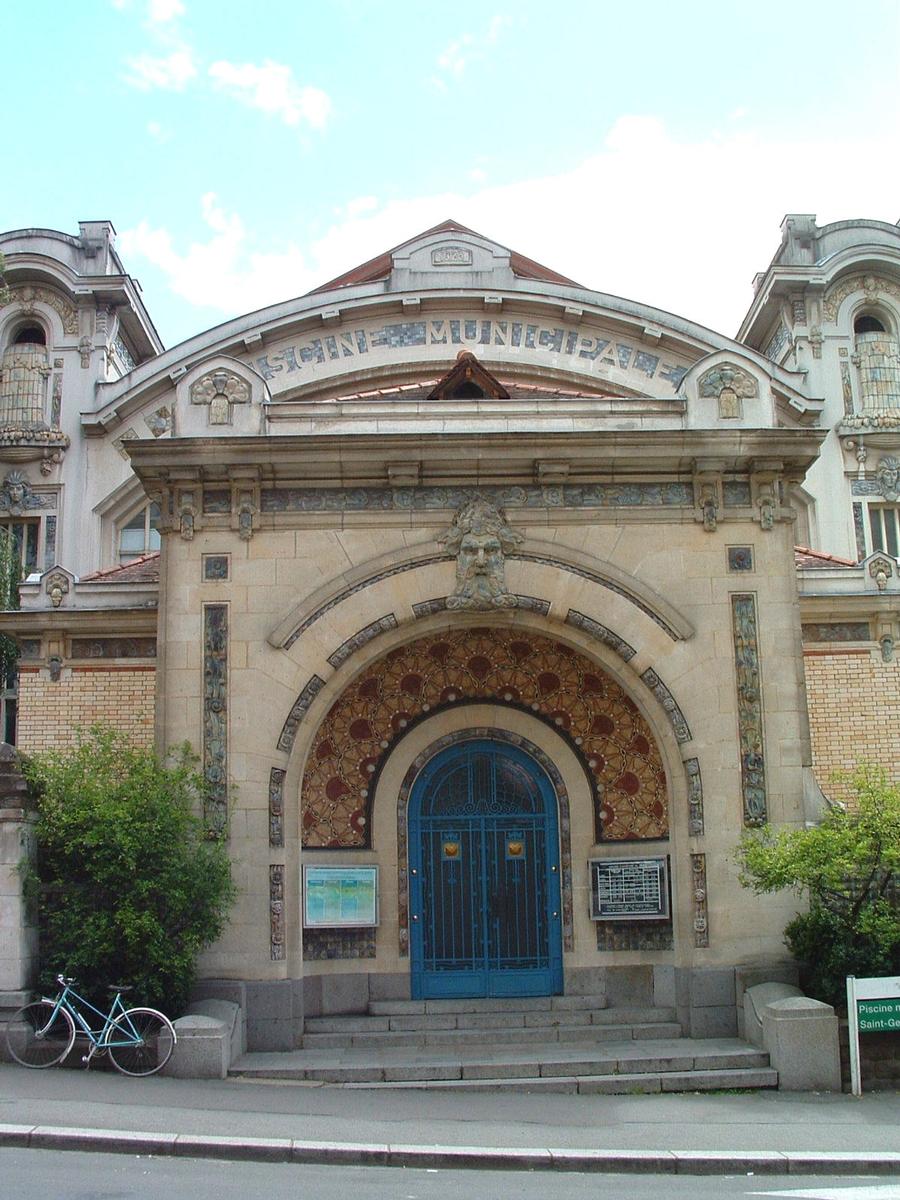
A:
(391, 1008)
(558, 1017)
(668, 1030)
(423, 1022)
(640, 1066)
(580, 1067)
(424, 1072)
(346, 1024)
(497, 1020)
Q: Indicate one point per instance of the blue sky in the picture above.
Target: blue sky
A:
(248, 151)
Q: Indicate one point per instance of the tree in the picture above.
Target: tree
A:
(848, 867)
(131, 886)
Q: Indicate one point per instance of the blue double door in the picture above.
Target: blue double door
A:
(484, 875)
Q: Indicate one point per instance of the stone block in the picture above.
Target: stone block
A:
(756, 997)
(269, 999)
(664, 989)
(203, 1048)
(312, 995)
(389, 986)
(713, 1021)
(276, 1034)
(345, 994)
(712, 987)
(232, 1018)
(629, 985)
(801, 1036)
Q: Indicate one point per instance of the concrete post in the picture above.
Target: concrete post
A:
(18, 920)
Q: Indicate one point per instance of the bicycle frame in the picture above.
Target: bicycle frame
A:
(100, 1040)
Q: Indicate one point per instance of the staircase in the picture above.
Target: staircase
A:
(553, 1043)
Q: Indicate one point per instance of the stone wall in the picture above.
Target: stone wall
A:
(879, 1060)
(854, 710)
(50, 712)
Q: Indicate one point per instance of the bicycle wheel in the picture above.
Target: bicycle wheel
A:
(38, 1037)
(140, 1042)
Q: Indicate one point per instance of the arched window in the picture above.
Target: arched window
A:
(30, 335)
(140, 534)
(867, 323)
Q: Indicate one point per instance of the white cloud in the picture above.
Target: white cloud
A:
(272, 88)
(682, 225)
(157, 132)
(171, 72)
(360, 205)
(162, 11)
(457, 55)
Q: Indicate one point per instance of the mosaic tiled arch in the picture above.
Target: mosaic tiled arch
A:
(565, 826)
(527, 671)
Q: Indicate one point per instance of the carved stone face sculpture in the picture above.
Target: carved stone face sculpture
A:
(888, 475)
(480, 538)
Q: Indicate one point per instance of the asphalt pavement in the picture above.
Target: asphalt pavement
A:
(766, 1132)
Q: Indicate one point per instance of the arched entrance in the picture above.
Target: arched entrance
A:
(484, 875)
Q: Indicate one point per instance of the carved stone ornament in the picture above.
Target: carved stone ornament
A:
(480, 538)
(729, 384)
(881, 569)
(887, 475)
(56, 586)
(872, 286)
(28, 297)
(18, 496)
(887, 648)
(220, 390)
(709, 507)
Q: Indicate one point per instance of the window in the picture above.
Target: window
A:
(30, 335)
(139, 535)
(884, 524)
(26, 536)
(866, 323)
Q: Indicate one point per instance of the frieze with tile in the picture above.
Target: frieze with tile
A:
(215, 717)
(431, 499)
(505, 666)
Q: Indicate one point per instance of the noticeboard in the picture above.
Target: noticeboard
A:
(873, 1006)
(629, 889)
(340, 897)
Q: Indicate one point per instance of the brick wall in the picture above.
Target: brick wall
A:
(50, 713)
(854, 713)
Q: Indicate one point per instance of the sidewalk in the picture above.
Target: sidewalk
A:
(763, 1132)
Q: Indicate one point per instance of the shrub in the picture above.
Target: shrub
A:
(131, 887)
(848, 867)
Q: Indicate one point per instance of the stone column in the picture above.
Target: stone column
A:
(18, 920)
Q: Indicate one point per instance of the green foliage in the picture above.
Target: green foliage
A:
(131, 886)
(10, 578)
(848, 867)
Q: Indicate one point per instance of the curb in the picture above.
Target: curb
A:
(483, 1158)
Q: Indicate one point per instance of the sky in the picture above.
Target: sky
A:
(248, 151)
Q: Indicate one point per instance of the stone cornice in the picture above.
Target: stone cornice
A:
(468, 459)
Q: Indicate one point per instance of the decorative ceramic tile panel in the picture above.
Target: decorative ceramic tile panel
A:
(635, 935)
(836, 631)
(504, 666)
(309, 692)
(600, 633)
(320, 945)
(215, 716)
(740, 558)
(276, 912)
(700, 899)
(361, 638)
(276, 806)
(695, 796)
(749, 707)
(215, 567)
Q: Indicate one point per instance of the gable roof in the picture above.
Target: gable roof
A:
(468, 371)
(380, 266)
(805, 557)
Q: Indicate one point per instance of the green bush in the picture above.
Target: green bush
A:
(848, 867)
(131, 887)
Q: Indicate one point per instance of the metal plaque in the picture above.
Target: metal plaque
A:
(629, 889)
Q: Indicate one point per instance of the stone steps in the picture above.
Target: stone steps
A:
(663, 1064)
(417, 1024)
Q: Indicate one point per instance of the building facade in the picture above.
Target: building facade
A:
(478, 593)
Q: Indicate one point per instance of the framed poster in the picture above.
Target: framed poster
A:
(340, 897)
(629, 889)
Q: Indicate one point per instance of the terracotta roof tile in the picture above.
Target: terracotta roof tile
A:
(805, 557)
(139, 570)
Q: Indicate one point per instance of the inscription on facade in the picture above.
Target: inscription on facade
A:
(588, 353)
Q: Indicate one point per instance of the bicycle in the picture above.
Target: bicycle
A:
(139, 1041)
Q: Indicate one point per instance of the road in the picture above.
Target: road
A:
(53, 1175)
